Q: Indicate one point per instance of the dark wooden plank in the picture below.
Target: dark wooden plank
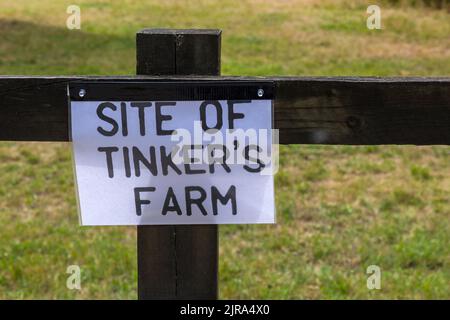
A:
(363, 112)
(307, 110)
(178, 262)
(33, 109)
(187, 51)
(155, 57)
(195, 54)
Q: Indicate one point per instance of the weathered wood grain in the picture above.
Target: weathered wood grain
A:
(319, 110)
(178, 262)
(360, 111)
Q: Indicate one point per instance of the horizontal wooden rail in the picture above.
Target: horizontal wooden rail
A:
(319, 110)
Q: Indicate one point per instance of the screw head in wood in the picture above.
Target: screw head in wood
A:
(260, 93)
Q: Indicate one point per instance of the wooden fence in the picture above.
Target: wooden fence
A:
(181, 262)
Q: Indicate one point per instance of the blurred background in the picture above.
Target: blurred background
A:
(339, 208)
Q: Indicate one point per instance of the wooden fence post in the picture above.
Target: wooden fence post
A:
(178, 262)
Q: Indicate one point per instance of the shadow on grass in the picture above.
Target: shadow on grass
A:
(30, 48)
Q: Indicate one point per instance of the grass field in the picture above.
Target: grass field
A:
(339, 208)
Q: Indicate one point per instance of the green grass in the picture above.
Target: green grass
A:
(339, 208)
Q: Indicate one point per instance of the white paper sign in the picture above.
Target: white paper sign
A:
(156, 162)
